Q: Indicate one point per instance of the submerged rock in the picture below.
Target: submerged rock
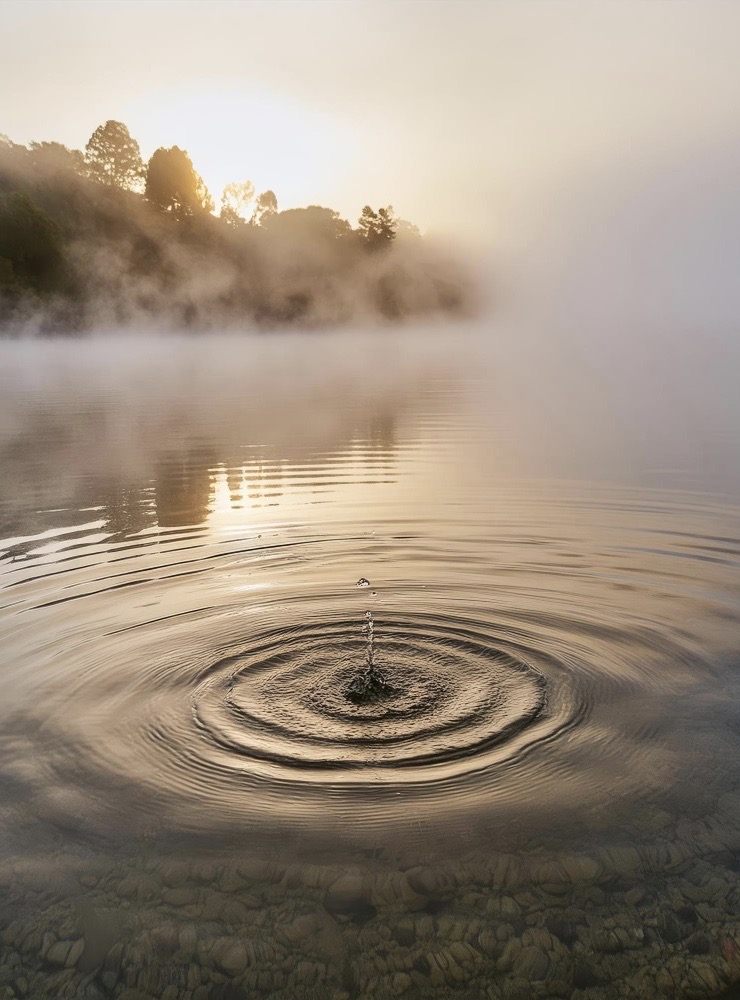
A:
(347, 894)
(57, 952)
(231, 957)
(531, 963)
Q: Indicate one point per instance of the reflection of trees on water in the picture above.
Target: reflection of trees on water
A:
(382, 433)
(182, 488)
(125, 511)
(184, 482)
(61, 464)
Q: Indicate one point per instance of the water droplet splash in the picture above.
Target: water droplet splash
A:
(370, 685)
(369, 629)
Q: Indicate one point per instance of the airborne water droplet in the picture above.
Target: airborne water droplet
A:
(370, 684)
(362, 582)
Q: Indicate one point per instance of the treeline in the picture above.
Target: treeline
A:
(99, 239)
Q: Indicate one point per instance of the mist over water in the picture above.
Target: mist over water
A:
(549, 537)
(523, 780)
(185, 524)
(398, 661)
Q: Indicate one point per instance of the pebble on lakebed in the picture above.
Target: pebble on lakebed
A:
(655, 918)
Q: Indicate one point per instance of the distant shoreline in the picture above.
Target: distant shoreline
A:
(79, 253)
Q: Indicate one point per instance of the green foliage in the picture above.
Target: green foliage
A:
(113, 156)
(31, 242)
(173, 184)
(378, 229)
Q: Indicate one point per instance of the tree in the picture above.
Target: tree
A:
(314, 224)
(113, 157)
(235, 201)
(31, 242)
(8, 283)
(55, 156)
(173, 184)
(407, 231)
(267, 205)
(378, 229)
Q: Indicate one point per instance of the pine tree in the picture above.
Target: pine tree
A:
(113, 156)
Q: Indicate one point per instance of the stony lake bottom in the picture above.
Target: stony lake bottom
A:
(541, 798)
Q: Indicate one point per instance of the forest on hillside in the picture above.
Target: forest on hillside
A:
(99, 240)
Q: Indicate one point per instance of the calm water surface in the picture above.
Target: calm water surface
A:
(541, 795)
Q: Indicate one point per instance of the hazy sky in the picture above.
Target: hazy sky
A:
(464, 115)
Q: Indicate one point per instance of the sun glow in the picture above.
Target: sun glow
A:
(235, 133)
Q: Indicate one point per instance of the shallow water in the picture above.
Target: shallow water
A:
(541, 799)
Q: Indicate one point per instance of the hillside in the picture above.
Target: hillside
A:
(79, 251)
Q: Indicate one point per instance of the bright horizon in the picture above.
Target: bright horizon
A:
(469, 124)
(370, 611)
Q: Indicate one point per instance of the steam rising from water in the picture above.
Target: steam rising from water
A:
(181, 605)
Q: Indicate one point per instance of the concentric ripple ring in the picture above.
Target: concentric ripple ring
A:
(283, 701)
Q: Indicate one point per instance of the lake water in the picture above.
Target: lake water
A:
(537, 796)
